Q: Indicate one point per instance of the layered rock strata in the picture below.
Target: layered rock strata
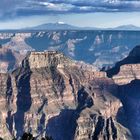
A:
(51, 94)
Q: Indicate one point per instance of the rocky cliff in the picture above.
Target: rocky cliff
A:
(100, 48)
(128, 69)
(126, 75)
(51, 94)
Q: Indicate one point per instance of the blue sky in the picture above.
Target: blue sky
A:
(97, 13)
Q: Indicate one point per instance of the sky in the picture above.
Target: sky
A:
(16, 14)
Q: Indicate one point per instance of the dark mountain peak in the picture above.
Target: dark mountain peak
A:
(132, 58)
(54, 26)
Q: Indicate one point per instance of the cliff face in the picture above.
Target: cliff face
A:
(46, 59)
(51, 94)
(126, 70)
(126, 75)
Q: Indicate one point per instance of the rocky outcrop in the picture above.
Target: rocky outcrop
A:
(46, 59)
(99, 128)
(126, 75)
(132, 58)
(51, 94)
(126, 70)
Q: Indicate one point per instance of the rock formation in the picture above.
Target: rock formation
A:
(128, 69)
(51, 94)
(100, 48)
(126, 75)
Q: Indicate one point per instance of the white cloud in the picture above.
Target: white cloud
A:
(14, 8)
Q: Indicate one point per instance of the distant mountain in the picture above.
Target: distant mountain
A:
(127, 27)
(53, 26)
(60, 26)
(64, 26)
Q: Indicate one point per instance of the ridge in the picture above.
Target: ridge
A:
(126, 70)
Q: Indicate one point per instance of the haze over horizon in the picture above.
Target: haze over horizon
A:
(16, 14)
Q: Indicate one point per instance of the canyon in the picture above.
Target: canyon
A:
(99, 48)
(51, 94)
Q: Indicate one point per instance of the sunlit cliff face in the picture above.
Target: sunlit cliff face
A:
(51, 92)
